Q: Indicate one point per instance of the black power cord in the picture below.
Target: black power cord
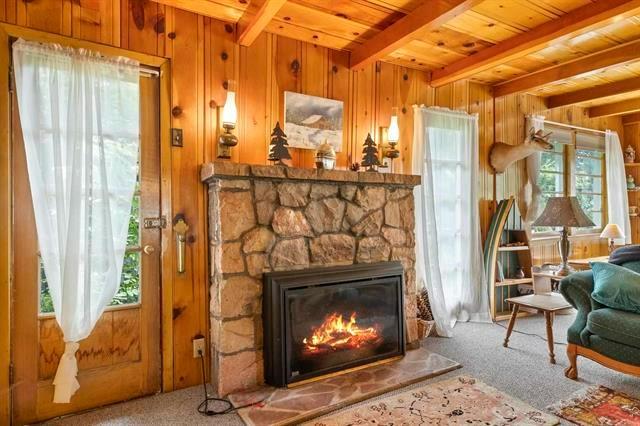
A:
(530, 334)
(204, 409)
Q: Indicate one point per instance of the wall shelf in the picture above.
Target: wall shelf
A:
(513, 248)
(513, 281)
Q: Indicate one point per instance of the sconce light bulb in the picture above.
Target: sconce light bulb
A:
(230, 112)
(393, 134)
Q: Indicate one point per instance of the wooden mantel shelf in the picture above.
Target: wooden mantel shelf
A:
(227, 170)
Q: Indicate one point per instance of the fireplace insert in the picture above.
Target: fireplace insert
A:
(325, 320)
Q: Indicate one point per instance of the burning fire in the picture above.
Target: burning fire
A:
(336, 334)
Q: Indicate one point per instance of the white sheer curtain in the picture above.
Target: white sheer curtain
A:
(617, 201)
(80, 120)
(531, 189)
(448, 241)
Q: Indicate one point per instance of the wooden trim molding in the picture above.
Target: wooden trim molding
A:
(166, 262)
(5, 232)
(431, 14)
(7, 32)
(582, 19)
(573, 351)
(605, 58)
(253, 22)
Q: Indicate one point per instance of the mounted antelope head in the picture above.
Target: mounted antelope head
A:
(503, 155)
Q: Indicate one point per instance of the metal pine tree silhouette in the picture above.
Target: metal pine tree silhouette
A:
(278, 144)
(370, 151)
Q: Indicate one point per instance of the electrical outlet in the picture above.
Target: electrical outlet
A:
(199, 346)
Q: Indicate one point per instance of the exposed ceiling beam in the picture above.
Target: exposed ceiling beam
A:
(631, 118)
(583, 19)
(256, 18)
(206, 8)
(596, 92)
(605, 58)
(431, 14)
(617, 108)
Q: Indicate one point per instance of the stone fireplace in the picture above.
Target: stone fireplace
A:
(273, 218)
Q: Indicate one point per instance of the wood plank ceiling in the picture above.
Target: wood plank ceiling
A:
(584, 52)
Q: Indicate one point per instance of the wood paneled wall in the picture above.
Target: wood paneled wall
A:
(204, 56)
(510, 112)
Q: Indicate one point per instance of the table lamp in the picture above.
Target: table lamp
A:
(612, 232)
(565, 212)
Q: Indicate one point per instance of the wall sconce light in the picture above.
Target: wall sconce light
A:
(390, 136)
(227, 140)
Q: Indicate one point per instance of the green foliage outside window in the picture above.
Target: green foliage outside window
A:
(587, 176)
(551, 178)
(129, 291)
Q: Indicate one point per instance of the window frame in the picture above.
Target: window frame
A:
(569, 173)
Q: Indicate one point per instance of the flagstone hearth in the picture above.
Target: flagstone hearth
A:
(274, 218)
(287, 406)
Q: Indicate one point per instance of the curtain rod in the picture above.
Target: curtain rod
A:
(586, 129)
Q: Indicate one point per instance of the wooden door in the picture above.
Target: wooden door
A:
(121, 358)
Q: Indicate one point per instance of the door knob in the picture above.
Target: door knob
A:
(148, 249)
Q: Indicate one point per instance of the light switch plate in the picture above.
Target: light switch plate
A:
(176, 137)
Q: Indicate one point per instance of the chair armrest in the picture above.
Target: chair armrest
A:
(577, 289)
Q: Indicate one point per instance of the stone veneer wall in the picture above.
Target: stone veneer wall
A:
(271, 218)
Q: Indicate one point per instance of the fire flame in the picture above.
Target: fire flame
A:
(337, 334)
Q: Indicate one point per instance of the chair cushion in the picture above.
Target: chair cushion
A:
(616, 286)
(618, 326)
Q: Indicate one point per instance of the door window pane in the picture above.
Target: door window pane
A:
(129, 291)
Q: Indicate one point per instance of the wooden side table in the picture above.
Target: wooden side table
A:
(548, 303)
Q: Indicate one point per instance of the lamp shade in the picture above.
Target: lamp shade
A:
(612, 231)
(563, 211)
(230, 112)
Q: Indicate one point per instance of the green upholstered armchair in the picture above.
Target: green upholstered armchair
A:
(604, 335)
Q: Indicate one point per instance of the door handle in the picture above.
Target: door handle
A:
(148, 249)
(180, 227)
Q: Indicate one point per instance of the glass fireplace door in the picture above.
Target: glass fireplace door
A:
(339, 326)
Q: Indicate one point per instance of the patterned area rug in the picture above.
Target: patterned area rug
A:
(598, 405)
(458, 401)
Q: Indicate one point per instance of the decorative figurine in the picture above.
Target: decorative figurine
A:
(631, 184)
(370, 158)
(278, 150)
(629, 154)
(325, 156)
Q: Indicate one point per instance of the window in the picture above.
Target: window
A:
(129, 291)
(552, 176)
(575, 167)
